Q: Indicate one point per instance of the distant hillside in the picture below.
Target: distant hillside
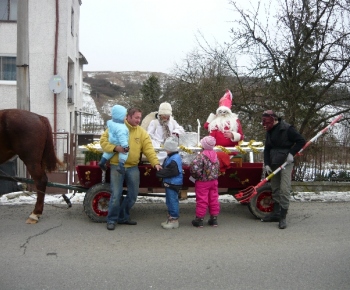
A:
(107, 88)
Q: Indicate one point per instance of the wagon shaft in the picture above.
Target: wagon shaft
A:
(77, 188)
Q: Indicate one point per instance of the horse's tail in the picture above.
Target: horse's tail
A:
(50, 160)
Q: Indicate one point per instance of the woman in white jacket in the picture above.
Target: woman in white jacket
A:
(163, 126)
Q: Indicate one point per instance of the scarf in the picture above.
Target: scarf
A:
(211, 154)
(166, 131)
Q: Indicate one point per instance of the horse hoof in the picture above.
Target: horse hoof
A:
(31, 221)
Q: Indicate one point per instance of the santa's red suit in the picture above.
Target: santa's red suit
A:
(225, 121)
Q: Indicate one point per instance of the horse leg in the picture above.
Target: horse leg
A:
(40, 181)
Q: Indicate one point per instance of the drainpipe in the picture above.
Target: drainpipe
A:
(55, 69)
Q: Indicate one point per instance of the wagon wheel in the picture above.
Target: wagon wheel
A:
(96, 202)
(262, 204)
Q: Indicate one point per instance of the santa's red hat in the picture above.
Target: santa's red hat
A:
(226, 100)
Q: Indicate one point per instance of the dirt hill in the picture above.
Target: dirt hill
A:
(108, 88)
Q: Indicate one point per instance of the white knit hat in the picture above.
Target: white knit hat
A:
(170, 144)
(165, 109)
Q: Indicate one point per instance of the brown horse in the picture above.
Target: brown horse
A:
(29, 136)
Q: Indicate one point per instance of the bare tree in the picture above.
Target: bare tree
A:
(197, 85)
(297, 60)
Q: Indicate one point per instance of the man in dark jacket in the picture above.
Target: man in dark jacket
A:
(281, 144)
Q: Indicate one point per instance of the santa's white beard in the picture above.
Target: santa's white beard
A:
(229, 121)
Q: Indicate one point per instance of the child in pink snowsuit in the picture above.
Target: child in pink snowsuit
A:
(205, 170)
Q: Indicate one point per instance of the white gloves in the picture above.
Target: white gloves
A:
(211, 117)
(290, 158)
(268, 169)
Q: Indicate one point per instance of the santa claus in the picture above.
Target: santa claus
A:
(225, 126)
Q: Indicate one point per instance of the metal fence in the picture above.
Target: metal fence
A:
(324, 160)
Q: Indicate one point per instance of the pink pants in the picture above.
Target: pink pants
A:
(207, 197)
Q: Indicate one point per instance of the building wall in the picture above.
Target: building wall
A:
(42, 29)
(8, 94)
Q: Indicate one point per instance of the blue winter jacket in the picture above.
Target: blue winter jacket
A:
(118, 132)
(171, 173)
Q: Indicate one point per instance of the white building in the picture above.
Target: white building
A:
(52, 47)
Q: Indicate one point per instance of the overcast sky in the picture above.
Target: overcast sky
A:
(148, 35)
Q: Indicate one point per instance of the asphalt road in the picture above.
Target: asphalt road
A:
(65, 250)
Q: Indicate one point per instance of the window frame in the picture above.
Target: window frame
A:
(11, 13)
(2, 79)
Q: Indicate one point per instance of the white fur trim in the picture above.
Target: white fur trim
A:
(236, 137)
(223, 108)
(211, 117)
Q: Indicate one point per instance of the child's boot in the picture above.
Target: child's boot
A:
(121, 168)
(102, 164)
(198, 222)
(171, 223)
(167, 217)
(213, 221)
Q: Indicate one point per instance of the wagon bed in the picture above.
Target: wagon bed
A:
(237, 177)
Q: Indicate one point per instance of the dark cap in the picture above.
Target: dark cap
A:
(269, 113)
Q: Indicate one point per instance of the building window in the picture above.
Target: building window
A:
(8, 10)
(7, 68)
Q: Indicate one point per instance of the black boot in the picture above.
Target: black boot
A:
(198, 222)
(283, 223)
(213, 221)
(275, 215)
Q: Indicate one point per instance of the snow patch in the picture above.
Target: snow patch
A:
(26, 197)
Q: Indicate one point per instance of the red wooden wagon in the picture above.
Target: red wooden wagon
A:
(238, 176)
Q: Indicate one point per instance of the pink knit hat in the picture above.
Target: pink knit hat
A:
(208, 142)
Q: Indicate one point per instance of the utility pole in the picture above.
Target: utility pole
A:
(22, 60)
(22, 64)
